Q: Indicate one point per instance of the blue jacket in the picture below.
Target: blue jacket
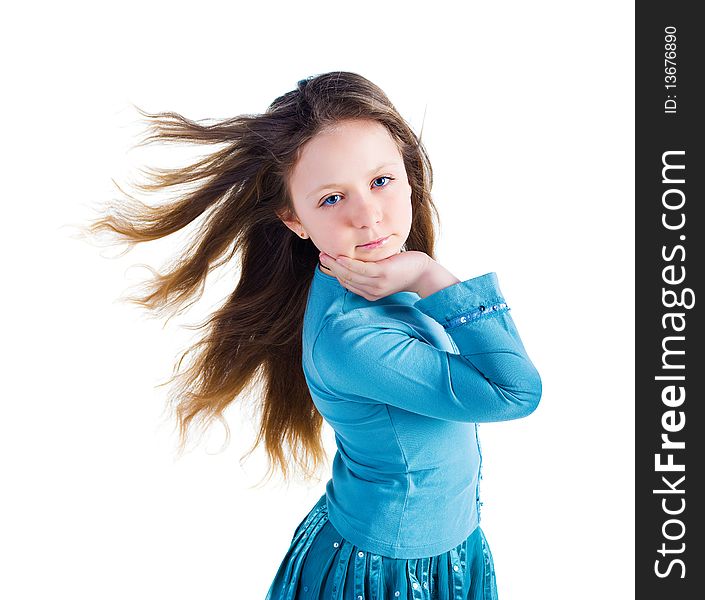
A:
(403, 382)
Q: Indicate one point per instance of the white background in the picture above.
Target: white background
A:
(530, 127)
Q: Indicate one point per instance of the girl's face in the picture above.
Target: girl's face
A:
(349, 188)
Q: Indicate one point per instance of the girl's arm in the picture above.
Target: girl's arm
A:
(491, 379)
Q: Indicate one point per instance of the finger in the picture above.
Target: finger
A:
(327, 261)
(357, 271)
(335, 267)
(349, 277)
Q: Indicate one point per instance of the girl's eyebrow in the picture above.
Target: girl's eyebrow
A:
(372, 172)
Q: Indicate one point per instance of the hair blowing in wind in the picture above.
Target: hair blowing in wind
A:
(231, 200)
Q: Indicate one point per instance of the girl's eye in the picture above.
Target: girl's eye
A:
(329, 197)
(384, 177)
(325, 201)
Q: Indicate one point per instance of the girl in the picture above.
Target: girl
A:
(342, 313)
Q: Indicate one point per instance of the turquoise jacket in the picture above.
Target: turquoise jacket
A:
(404, 381)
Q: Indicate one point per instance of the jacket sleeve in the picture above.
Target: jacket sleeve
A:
(363, 359)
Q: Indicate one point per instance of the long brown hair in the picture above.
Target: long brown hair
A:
(236, 193)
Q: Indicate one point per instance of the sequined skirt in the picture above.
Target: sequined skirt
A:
(321, 565)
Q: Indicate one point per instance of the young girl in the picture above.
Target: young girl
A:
(342, 313)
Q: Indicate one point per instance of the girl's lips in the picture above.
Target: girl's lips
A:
(381, 242)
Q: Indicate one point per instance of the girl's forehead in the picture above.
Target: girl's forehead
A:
(336, 156)
(356, 140)
(354, 128)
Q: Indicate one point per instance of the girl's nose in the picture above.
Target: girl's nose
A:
(366, 211)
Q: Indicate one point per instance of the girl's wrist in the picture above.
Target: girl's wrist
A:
(434, 278)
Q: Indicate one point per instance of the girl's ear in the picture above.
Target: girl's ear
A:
(289, 220)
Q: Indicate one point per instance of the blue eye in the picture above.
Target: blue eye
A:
(384, 177)
(325, 201)
(329, 197)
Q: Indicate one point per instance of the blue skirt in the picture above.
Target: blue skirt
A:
(321, 565)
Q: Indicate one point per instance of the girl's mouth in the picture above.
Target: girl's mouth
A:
(376, 244)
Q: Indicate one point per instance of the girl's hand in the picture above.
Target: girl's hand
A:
(376, 279)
